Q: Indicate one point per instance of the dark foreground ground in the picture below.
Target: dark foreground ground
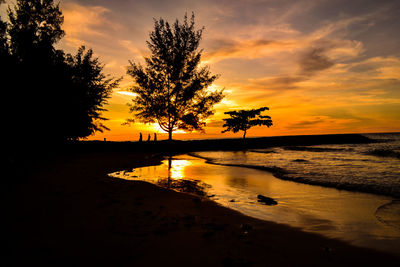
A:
(66, 211)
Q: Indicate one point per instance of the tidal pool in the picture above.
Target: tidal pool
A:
(362, 219)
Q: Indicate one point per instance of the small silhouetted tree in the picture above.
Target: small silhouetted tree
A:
(242, 120)
(171, 89)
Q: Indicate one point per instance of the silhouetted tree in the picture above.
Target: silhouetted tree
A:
(88, 94)
(172, 88)
(242, 120)
(54, 96)
(5, 56)
(40, 73)
(3, 37)
(7, 65)
(35, 26)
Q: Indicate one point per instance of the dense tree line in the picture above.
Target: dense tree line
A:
(48, 96)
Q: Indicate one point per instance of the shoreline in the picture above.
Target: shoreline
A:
(70, 211)
(280, 174)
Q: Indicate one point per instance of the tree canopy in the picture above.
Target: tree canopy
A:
(51, 95)
(242, 120)
(3, 38)
(35, 26)
(171, 89)
(89, 91)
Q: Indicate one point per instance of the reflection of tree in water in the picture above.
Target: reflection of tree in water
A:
(182, 185)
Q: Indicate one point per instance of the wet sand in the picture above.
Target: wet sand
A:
(70, 213)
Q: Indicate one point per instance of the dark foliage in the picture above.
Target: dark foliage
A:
(51, 96)
(4, 49)
(172, 89)
(3, 36)
(35, 26)
(88, 94)
(242, 120)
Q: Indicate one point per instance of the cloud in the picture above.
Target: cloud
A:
(222, 49)
(136, 53)
(376, 67)
(82, 23)
(215, 123)
(306, 123)
(127, 93)
(284, 82)
(314, 61)
(321, 122)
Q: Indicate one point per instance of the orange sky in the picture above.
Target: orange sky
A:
(320, 66)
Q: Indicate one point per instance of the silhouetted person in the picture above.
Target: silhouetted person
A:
(105, 139)
(148, 138)
(140, 137)
(155, 137)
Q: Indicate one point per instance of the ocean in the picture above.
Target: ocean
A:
(347, 191)
(373, 167)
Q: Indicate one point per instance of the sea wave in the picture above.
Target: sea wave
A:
(388, 189)
(384, 153)
(315, 149)
(265, 151)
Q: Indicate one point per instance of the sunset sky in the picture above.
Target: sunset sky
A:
(320, 66)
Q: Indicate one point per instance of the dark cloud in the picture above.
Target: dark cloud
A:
(305, 124)
(365, 67)
(262, 42)
(216, 124)
(226, 47)
(277, 84)
(288, 80)
(314, 61)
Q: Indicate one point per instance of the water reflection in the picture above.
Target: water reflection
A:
(195, 187)
(338, 214)
(176, 168)
(171, 175)
(237, 182)
(176, 175)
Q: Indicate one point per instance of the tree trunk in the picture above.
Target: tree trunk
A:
(170, 135)
(244, 135)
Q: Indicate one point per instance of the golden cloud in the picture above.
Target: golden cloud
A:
(81, 22)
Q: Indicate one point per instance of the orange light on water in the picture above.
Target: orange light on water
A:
(176, 168)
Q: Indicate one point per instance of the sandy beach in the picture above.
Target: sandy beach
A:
(69, 212)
